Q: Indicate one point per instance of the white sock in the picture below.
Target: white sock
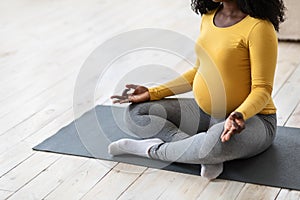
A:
(130, 146)
(211, 171)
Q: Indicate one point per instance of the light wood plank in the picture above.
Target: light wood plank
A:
(258, 192)
(46, 75)
(31, 125)
(22, 150)
(50, 129)
(287, 105)
(19, 82)
(221, 189)
(185, 186)
(294, 120)
(50, 178)
(4, 194)
(13, 157)
(289, 51)
(115, 183)
(82, 180)
(27, 170)
(23, 95)
(288, 195)
(283, 71)
(29, 109)
(156, 183)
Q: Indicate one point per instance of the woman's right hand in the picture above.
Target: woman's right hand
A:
(140, 94)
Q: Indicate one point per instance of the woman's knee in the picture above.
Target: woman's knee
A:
(211, 145)
(135, 118)
(251, 141)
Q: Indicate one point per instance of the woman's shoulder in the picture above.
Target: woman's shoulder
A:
(253, 23)
(258, 28)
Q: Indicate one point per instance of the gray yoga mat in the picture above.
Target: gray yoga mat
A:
(90, 135)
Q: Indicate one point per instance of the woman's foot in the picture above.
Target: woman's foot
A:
(211, 171)
(130, 146)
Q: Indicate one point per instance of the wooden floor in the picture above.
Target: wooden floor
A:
(43, 46)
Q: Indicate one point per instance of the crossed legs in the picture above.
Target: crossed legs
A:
(177, 130)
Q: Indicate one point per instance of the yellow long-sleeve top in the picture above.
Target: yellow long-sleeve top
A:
(234, 70)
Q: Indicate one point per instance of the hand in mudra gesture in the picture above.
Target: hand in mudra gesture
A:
(234, 124)
(140, 94)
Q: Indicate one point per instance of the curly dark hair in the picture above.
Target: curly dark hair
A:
(272, 10)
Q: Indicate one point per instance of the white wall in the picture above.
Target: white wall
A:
(290, 29)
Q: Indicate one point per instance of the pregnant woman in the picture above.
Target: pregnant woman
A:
(239, 36)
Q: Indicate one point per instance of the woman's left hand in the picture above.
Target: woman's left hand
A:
(234, 124)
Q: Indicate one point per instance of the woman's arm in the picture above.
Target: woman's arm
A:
(178, 85)
(263, 58)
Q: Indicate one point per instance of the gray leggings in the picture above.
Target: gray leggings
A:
(192, 136)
